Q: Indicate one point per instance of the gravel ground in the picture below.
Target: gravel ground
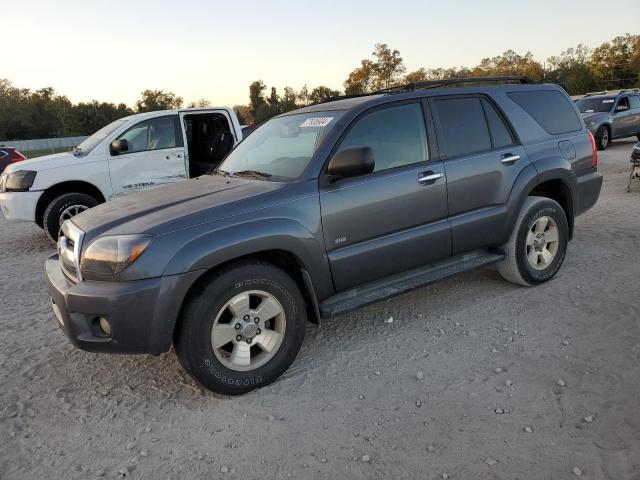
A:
(473, 378)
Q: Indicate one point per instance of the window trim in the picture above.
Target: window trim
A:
(444, 153)
(148, 120)
(429, 133)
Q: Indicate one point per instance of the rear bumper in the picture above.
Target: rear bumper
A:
(588, 188)
(142, 314)
(19, 206)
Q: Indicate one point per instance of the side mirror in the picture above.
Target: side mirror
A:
(119, 146)
(352, 162)
(622, 108)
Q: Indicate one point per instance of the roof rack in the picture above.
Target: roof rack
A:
(613, 92)
(427, 84)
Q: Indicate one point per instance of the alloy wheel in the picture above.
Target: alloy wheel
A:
(248, 330)
(543, 240)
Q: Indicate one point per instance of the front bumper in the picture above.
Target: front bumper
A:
(142, 313)
(19, 206)
(588, 188)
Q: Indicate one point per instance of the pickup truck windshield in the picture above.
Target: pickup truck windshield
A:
(91, 142)
(595, 104)
(281, 148)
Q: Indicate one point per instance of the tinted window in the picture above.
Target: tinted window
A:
(635, 101)
(595, 104)
(463, 125)
(500, 133)
(396, 135)
(3, 154)
(623, 104)
(154, 134)
(550, 108)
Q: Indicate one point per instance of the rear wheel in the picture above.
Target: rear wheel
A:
(63, 208)
(538, 244)
(602, 138)
(242, 329)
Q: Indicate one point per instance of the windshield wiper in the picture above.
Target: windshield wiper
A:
(252, 173)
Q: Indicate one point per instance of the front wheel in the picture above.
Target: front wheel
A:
(538, 244)
(241, 329)
(63, 208)
(602, 138)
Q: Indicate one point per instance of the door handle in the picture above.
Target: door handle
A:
(508, 158)
(429, 177)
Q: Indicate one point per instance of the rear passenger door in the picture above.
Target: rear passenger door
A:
(395, 218)
(482, 160)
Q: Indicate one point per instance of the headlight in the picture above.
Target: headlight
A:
(108, 256)
(19, 181)
(591, 124)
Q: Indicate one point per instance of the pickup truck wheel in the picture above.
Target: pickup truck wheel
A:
(537, 246)
(63, 208)
(602, 138)
(242, 329)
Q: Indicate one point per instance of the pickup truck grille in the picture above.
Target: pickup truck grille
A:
(69, 248)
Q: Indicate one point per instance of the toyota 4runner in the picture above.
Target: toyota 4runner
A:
(321, 211)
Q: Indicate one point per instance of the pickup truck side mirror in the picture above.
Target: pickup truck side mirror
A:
(352, 162)
(119, 146)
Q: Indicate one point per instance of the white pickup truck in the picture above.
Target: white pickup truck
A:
(131, 154)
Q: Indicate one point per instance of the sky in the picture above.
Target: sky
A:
(113, 50)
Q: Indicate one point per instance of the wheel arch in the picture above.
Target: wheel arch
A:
(74, 186)
(550, 178)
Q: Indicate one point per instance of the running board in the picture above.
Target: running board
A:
(387, 287)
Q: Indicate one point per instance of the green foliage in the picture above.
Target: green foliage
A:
(153, 100)
(384, 71)
(43, 114)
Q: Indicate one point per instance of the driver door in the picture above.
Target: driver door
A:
(155, 156)
(622, 124)
(395, 218)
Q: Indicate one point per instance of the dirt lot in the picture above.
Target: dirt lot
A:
(474, 378)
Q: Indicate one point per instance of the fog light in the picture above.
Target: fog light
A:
(105, 326)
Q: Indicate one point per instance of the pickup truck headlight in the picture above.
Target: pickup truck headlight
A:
(19, 181)
(107, 256)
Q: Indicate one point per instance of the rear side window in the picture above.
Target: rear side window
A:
(464, 127)
(635, 101)
(550, 108)
(500, 133)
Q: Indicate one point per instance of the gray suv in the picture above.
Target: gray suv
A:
(324, 210)
(611, 114)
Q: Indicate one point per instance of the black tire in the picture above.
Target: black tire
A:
(193, 334)
(53, 212)
(603, 137)
(515, 267)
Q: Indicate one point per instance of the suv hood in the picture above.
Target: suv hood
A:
(45, 162)
(594, 116)
(168, 208)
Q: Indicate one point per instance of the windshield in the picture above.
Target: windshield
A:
(91, 142)
(281, 148)
(595, 104)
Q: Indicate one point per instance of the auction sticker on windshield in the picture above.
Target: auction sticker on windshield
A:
(316, 122)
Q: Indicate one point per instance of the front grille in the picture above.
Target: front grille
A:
(69, 247)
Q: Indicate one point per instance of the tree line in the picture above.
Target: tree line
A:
(43, 113)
